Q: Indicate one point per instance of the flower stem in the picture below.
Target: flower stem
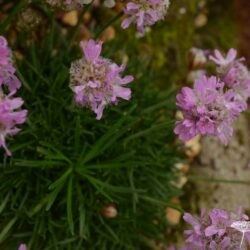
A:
(75, 29)
(114, 19)
(243, 234)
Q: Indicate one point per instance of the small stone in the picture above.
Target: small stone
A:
(109, 3)
(200, 20)
(183, 167)
(197, 58)
(108, 34)
(109, 211)
(180, 182)
(87, 17)
(173, 216)
(193, 147)
(70, 18)
(18, 55)
(195, 74)
(178, 115)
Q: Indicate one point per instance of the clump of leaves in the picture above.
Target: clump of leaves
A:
(66, 166)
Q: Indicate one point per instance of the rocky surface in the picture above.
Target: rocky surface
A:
(222, 174)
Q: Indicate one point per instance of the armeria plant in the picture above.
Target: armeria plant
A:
(93, 164)
(82, 181)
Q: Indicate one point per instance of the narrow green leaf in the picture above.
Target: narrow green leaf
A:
(108, 138)
(61, 180)
(38, 207)
(4, 202)
(69, 206)
(110, 230)
(52, 196)
(36, 164)
(7, 228)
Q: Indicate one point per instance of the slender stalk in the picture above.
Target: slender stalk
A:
(209, 179)
(114, 19)
(243, 234)
(75, 29)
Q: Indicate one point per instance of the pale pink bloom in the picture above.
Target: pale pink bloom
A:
(23, 247)
(11, 115)
(212, 231)
(224, 61)
(96, 81)
(144, 13)
(235, 75)
(207, 110)
(7, 70)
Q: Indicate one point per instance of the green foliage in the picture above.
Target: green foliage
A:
(67, 166)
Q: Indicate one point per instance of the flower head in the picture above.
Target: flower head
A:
(7, 70)
(144, 13)
(219, 222)
(224, 61)
(213, 230)
(235, 75)
(11, 115)
(10, 107)
(96, 81)
(207, 110)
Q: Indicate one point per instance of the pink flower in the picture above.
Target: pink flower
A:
(235, 75)
(10, 116)
(10, 107)
(196, 236)
(223, 61)
(196, 223)
(212, 230)
(92, 50)
(7, 71)
(3, 42)
(207, 110)
(23, 247)
(220, 221)
(144, 13)
(96, 81)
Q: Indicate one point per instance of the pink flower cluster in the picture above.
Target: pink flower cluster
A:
(7, 70)
(235, 75)
(96, 81)
(213, 230)
(211, 107)
(144, 13)
(10, 106)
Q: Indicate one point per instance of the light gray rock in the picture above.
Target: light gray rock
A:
(218, 162)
